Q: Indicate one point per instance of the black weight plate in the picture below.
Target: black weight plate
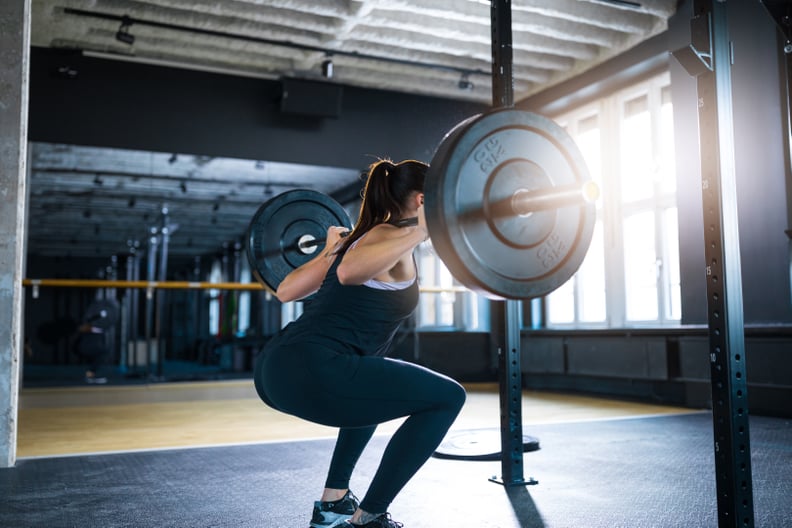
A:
(280, 223)
(485, 162)
(102, 313)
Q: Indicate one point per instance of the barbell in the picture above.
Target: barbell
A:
(509, 206)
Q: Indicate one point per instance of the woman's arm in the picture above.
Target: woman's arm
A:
(306, 279)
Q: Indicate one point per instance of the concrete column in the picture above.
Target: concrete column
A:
(14, 75)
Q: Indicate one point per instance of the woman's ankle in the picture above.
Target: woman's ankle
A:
(333, 494)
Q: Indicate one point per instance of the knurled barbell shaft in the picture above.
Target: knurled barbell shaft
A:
(524, 202)
(313, 242)
(307, 244)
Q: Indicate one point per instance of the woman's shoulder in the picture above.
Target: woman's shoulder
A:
(382, 230)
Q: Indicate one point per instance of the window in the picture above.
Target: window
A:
(444, 304)
(630, 275)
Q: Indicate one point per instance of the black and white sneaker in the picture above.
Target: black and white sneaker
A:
(382, 521)
(334, 513)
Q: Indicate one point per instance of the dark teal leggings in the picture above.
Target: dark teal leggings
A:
(355, 393)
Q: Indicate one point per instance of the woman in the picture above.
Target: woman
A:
(328, 366)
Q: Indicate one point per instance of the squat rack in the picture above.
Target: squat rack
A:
(709, 59)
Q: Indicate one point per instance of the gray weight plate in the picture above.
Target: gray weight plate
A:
(480, 167)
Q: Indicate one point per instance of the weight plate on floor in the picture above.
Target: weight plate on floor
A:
(479, 167)
(279, 226)
(478, 444)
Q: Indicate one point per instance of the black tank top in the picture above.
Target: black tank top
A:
(357, 319)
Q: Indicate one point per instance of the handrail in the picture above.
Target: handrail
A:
(180, 285)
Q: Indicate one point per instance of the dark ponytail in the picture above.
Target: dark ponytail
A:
(389, 187)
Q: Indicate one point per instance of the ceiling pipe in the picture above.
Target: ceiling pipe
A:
(259, 40)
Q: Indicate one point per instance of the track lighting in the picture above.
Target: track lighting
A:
(465, 83)
(123, 34)
(173, 158)
(327, 68)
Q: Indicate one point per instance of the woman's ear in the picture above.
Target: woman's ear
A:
(420, 198)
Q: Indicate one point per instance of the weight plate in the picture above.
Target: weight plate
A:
(475, 172)
(102, 313)
(281, 223)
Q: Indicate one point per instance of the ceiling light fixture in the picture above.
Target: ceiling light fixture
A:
(123, 34)
(465, 83)
(327, 68)
(173, 158)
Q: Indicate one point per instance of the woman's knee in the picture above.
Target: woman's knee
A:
(455, 395)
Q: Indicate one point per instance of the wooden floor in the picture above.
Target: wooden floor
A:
(96, 419)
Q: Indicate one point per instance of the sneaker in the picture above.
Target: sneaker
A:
(335, 513)
(383, 521)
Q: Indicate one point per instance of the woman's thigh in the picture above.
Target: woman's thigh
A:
(347, 390)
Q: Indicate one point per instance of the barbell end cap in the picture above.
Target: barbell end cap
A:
(591, 192)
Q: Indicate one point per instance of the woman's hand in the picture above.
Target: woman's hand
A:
(334, 235)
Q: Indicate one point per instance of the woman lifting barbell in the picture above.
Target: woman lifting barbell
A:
(328, 366)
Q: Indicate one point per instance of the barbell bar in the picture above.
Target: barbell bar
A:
(510, 209)
(308, 243)
(510, 206)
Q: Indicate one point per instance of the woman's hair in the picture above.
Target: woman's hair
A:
(388, 188)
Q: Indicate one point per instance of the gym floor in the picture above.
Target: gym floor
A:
(211, 454)
(94, 419)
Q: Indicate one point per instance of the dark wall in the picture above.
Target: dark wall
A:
(137, 106)
(759, 160)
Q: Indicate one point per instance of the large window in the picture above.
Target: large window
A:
(444, 304)
(630, 276)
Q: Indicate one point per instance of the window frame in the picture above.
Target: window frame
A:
(612, 210)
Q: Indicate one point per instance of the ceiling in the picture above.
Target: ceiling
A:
(97, 202)
(90, 201)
